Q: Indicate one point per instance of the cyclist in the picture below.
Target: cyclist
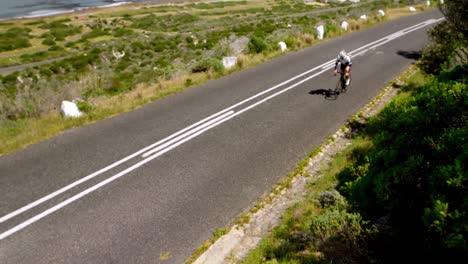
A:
(345, 60)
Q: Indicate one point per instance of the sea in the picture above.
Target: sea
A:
(39, 8)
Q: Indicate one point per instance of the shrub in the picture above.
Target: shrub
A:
(121, 82)
(290, 42)
(257, 45)
(416, 172)
(70, 44)
(85, 107)
(56, 48)
(14, 38)
(119, 32)
(208, 64)
(137, 46)
(60, 31)
(445, 43)
(338, 234)
(38, 56)
(49, 42)
(97, 32)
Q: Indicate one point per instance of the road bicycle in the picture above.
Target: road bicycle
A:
(342, 83)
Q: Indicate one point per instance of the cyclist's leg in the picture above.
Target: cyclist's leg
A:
(343, 78)
(348, 79)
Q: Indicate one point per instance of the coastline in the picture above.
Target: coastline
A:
(50, 13)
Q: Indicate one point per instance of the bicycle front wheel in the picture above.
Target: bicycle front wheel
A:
(340, 85)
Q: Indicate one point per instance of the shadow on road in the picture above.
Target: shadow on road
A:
(327, 94)
(412, 55)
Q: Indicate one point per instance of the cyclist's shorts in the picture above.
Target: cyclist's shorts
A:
(343, 67)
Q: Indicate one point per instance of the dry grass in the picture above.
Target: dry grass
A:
(16, 135)
(395, 13)
(317, 4)
(19, 134)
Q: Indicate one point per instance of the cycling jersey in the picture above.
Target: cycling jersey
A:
(346, 61)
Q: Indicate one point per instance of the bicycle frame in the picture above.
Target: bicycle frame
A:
(341, 84)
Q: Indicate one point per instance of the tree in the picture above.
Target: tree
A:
(449, 39)
(456, 14)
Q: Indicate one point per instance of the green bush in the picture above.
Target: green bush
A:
(97, 32)
(122, 65)
(70, 44)
(60, 31)
(257, 44)
(38, 56)
(290, 42)
(207, 64)
(339, 236)
(14, 38)
(56, 48)
(121, 82)
(137, 46)
(119, 32)
(49, 42)
(416, 173)
(437, 54)
(85, 107)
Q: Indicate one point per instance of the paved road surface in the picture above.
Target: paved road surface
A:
(8, 70)
(60, 203)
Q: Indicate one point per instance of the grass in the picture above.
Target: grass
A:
(296, 217)
(216, 235)
(18, 134)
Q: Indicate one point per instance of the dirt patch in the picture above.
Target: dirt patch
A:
(315, 3)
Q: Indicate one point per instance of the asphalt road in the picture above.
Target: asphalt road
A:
(169, 202)
(8, 70)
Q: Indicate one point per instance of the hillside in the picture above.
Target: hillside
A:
(111, 61)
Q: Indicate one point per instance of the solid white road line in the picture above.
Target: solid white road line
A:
(401, 34)
(95, 174)
(216, 119)
(187, 134)
(103, 183)
(89, 177)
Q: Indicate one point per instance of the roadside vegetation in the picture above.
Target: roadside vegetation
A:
(116, 61)
(399, 192)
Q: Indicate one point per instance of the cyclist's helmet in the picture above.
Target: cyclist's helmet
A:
(342, 54)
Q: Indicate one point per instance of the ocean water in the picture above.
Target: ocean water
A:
(38, 8)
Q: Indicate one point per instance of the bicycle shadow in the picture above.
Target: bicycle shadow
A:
(411, 55)
(328, 94)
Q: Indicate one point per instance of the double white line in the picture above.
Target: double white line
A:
(159, 148)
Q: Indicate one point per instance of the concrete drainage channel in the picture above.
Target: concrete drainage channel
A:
(236, 244)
